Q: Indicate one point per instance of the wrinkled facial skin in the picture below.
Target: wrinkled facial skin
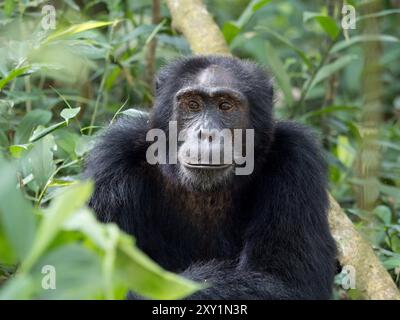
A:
(209, 104)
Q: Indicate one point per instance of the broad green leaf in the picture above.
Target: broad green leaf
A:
(7, 254)
(331, 68)
(251, 8)
(280, 73)
(39, 134)
(345, 151)
(362, 38)
(20, 287)
(155, 31)
(77, 28)
(77, 270)
(12, 75)
(391, 191)
(9, 6)
(392, 263)
(384, 213)
(30, 121)
(59, 211)
(85, 222)
(328, 24)
(17, 150)
(66, 142)
(142, 30)
(16, 214)
(232, 28)
(72, 4)
(39, 162)
(84, 145)
(69, 113)
(134, 270)
(230, 31)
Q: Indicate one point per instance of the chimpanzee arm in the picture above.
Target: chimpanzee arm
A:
(289, 252)
(115, 166)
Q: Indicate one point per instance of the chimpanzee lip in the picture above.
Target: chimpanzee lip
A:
(207, 166)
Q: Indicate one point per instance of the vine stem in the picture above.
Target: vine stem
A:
(307, 86)
(101, 87)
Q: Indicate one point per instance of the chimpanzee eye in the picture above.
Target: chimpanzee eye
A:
(193, 105)
(225, 106)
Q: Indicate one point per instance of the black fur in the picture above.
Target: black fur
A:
(266, 236)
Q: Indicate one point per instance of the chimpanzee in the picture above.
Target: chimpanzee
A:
(258, 235)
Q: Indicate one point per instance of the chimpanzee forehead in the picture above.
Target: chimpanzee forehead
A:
(216, 76)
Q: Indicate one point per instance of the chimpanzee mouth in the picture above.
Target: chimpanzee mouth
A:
(206, 166)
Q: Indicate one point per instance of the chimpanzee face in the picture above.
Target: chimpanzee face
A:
(208, 109)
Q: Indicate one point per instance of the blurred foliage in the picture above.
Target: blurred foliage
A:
(59, 87)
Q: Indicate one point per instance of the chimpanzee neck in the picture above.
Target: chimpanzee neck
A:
(208, 208)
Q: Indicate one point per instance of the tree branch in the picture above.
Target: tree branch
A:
(193, 20)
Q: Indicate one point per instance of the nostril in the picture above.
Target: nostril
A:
(210, 138)
(199, 135)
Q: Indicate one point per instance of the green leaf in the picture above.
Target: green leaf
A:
(9, 6)
(72, 4)
(390, 191)
(29, 122)
(39, 162)
(392, 263)
(17, 150)
(39, 134)
(16, 215)
(230, 31)
(12, 75)
(134, 270)
(155, 31)
(285, 41)
(59, 211)
(378, 14)
(328, 24)
(384, 213)
(69, 113)
(77, 270)
(84, 145)
(66, 143)
(20, 287)
(260, 4)
(280, 73)
(232, 28)
(331, 68)
(328, 110)
(77, 28)
(345, 151)
(142, 30)
(251, 8)
(362, 38)
(3, 139)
